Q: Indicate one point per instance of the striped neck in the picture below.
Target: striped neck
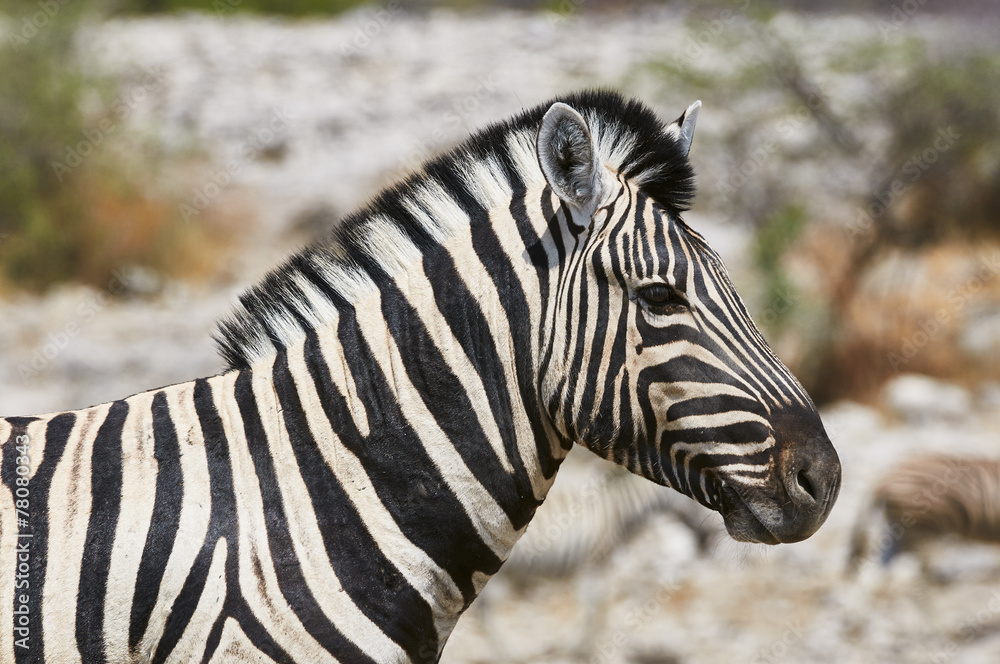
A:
(423, 397)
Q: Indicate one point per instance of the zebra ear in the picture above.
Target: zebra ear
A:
(568, 156)
(682, 128)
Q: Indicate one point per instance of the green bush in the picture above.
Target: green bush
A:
(223, 7)
(945, 152)
(73, 205)
(772, 239)
(39, 115)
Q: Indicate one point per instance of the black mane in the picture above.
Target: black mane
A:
(307, 289)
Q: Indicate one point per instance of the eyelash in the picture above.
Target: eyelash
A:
(672, 297)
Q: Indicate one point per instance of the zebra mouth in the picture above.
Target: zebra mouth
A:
(741, 522)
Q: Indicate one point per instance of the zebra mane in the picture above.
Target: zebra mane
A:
(406, 219)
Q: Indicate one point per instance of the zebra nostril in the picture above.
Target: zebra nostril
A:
(806, 484)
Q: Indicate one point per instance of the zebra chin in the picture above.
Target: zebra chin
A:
(761, 521)
(741, 522)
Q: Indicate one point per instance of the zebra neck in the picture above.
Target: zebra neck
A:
(420, 410)
(427, 383)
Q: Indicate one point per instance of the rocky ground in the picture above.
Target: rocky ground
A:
(307, 119)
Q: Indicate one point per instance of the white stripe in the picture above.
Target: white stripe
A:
(419, 293)
(522, 149)
(478, 282)
(300, 516)
(716, 448)
(139, 468)
(434, 584)
(196, 503)
(438, 213)
(589, 333)
(317, 308)
(350, 282)
(489, 519)
(758, 366)
(37, 440)
(261, 593)
(69, 510)
(8, 544)
(712, 420)
(191, 647)
(614, 142)
(235, 646)
(485, 180)
(388, 246)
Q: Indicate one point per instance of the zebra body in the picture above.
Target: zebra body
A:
(399, 400)
(593, 511)
(928, 497)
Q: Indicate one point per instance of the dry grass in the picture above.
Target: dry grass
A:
(908, 313)
(101, 220)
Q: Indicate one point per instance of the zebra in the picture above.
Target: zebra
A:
(926, 497)
(397, 402)
(595, 510)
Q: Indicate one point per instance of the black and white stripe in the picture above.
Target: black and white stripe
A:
(927, 497)
(399, 400)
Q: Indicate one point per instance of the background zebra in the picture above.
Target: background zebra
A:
(928, 497)
(399, 400)
(594, 510)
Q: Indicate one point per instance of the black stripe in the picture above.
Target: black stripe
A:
(164, 522)
(625, 435)
(510, 292)
(37, 527)
(57, 433)
(106, 491)
(754, 350)
(8, 466)
(581, 312)
(714, 404)
(317, 279)
(222, 522)
(643, 240)
(443, 394)
(746, 432)
(592, 379)
(420, 501)
(546, 326)
(371, 581)
(621, 451)
(399, 215)
(255, 632)
(465, 319)
(660, 248)
(676, 239)
(287, 567)
(539, 259)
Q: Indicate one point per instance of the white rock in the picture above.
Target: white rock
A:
(917, 399)
(981, 337)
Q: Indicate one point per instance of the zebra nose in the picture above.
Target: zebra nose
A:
(810, 473)
(808, 470)
(804, 484)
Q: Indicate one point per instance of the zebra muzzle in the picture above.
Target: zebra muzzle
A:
(797, 499)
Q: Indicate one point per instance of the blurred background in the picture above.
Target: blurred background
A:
(158, 156)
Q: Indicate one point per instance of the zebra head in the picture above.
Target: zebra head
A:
(652, 360)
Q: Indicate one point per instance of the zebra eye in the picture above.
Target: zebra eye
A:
(660, 295)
